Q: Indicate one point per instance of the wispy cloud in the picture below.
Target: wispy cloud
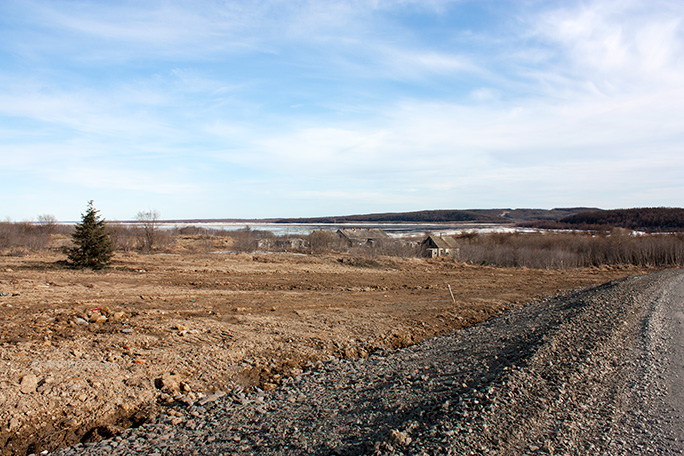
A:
(381, 105)
(617, 46)
(167, 182)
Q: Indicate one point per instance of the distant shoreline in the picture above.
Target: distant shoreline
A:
(582, 218)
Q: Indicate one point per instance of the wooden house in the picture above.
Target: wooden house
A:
(358, 237)
(437, 246)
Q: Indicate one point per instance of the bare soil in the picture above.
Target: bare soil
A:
(84, 354)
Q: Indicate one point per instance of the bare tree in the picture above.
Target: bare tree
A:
(48, 223)
(149, 222)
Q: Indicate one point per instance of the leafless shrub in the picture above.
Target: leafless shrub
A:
(128, 237)
(124, 236)
(203, 239)
(19, 238)
(247, 239)
(321, 241)
(150, 235)
(193, 231)
(566, 250)
(165, 239)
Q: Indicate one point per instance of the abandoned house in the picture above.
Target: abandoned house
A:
(437, 246)
(279, 243)
(357, 237)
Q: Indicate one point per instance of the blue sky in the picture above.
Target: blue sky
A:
(254, 109)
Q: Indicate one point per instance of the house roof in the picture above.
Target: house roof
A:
(442, 242)
(362, 234)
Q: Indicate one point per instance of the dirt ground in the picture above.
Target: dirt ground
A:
(85, 353)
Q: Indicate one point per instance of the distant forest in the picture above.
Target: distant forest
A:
(579, 218)
(641, 219)
(447, 216)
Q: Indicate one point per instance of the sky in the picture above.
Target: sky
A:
(270, 108)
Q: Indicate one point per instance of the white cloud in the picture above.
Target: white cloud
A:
(115, 112)
(166, 98)
(618, 45)
(117, 178)
(129, 29)
(397, 63)
(485, 94)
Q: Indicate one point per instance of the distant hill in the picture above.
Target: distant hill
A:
(647, 218)
(582, 218)
(641, 219)
(446, 216)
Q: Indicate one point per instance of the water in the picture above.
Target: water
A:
(392, 229)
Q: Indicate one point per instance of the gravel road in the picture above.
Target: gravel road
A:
(594, 372)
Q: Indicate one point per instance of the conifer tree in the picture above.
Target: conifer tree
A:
(93, 247)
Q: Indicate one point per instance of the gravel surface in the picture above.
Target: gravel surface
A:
(594, 372)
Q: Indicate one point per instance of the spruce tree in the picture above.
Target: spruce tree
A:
(93, 247)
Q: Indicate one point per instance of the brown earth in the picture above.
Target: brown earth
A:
(85, 353)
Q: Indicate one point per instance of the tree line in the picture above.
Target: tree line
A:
(648, 219)
(94, 241)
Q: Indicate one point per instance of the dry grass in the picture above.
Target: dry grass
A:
(544, 249)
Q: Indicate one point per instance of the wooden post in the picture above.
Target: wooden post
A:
(451, 293)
